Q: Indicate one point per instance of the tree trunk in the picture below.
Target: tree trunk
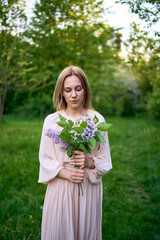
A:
(1, 110)
(2, 102)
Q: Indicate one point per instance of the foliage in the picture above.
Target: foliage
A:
(147, 10)
(70, 33)
(130, 190)
(81, 135)
(11, 51)
(62, 33)
(36, 105)
(143, 60)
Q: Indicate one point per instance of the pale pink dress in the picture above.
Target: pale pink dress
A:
(66, 215)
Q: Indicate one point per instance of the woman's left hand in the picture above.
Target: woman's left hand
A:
(78, 159)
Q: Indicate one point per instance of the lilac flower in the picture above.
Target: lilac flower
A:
(54, 135)
(89, 130)
(90, 122)
(63, 146)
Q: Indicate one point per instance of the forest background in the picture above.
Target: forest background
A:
(64, 33)
(125, 89)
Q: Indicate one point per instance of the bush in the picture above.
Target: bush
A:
(153, 105)
(36, 106)
(129, 105)
(119, 106)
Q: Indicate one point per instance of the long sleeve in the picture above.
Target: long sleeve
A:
(49, 164)
(102, 161)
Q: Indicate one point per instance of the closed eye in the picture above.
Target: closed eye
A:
(79, 89)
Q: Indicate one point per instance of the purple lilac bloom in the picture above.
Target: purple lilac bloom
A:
(89, 130)
(54, 135)
(63, 146)
(90, 122)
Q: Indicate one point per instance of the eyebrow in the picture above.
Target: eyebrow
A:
(75, 86)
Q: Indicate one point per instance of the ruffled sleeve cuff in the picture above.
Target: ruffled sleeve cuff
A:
(102, 162)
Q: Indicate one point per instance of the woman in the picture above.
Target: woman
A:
(66, 214)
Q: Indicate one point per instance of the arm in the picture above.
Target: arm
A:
(50, 167)
(49, 164)
(75, 176)
(102, 162)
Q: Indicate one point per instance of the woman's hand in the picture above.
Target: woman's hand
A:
(77, 175)
(78, 159)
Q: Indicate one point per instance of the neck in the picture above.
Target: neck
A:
(75, 112)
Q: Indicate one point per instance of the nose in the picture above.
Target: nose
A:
(73, 93)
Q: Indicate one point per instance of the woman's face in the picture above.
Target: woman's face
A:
(73, 92)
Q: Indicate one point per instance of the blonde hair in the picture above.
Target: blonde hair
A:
(58, 99)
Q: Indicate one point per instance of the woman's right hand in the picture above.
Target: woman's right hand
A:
(77, 175)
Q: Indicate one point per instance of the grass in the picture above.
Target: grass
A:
(131, 190)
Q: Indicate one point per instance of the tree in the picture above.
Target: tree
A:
(143, 59)
(148, 10)
(12, 19)
(70, 32)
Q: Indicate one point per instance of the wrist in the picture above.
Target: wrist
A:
(65, 174)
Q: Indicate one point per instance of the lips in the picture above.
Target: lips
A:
(75, 101)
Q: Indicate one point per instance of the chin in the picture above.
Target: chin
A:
(76, 105)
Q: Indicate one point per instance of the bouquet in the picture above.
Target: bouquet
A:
(78, 136)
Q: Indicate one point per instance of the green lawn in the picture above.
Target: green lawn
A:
(131, 202)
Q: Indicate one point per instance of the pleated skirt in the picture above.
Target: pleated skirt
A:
(70, 216)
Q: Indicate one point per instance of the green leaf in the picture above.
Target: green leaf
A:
(92, 143)
(68, 147)
(70, 151)
(74, 144)
(83, 148)
(83, 124)
(65, 137)
(66, 129)
(78, 129)
(99, 137)
(71, 123)
(61, 123)
(61, 117)
(80, 140)
(103, 126)
(96, 119)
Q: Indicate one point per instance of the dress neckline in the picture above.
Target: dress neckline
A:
(64, 114)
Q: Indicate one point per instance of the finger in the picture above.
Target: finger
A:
(81, 167)
(78, 153)
(77, 164)
(77, 157)
(77, 161)
(75, 178)
(78, 171)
